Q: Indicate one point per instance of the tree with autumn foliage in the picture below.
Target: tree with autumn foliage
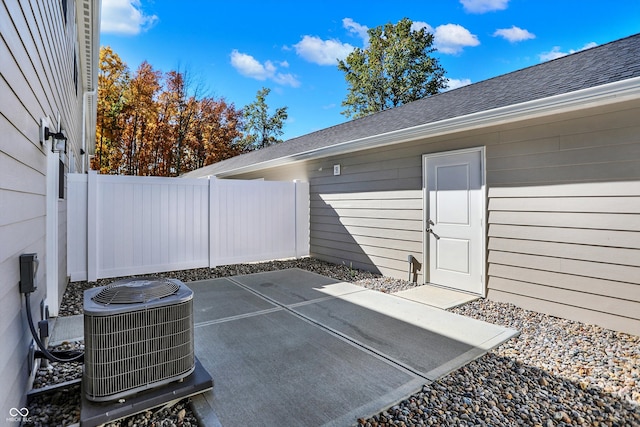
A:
(140, 118)
(154, 123)
(113, 80)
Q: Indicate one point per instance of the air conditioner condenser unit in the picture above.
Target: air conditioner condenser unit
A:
(138, 335)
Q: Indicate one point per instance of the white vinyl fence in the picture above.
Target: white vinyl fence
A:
(126, 225)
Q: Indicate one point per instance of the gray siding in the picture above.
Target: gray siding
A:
(36, 80)
(370, 216)
(371, 230)
(568, 250)
(563, 211)
(564, 218)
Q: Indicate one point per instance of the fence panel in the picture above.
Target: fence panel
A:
(150, 224)
(143, 225)
(251, 220)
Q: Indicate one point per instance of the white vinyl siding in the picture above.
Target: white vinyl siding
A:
(36, 80)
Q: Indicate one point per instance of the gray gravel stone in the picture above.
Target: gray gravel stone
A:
(555, 373)
(73, 298)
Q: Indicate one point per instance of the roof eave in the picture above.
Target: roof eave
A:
(610, 93)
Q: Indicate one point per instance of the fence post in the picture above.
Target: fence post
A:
(295, 218)
(301, 221)
(92, 226)
(214, 197)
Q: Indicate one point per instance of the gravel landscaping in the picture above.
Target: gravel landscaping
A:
(555, 373)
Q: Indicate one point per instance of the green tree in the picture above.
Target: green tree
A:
(261, 129)
(396, 68)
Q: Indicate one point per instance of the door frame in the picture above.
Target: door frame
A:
(483, 220)
(52, 236)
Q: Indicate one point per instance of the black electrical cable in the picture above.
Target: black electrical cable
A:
(44, 350)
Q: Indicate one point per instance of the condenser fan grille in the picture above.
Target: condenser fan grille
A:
(136, 291)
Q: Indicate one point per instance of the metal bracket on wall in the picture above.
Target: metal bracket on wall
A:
(31, 357)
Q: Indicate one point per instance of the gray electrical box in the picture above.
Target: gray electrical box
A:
(28, 269)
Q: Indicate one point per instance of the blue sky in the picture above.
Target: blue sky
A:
(233, 49)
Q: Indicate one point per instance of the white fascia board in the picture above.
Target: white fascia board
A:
(606, 94)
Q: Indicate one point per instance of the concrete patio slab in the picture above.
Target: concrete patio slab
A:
(424, 339)
(416, 348)
(278, 369)
(221, 298)
(328, 352)
(293, 286)
(436, 296)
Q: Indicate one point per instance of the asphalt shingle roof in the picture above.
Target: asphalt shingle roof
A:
(608, 63)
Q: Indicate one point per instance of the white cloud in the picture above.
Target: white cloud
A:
(418, 25)
(287, 79)
(514, 34)
(456, 83)
(125, 17)
(482, 6)
(556, 53)
(586, 46)
(357, 29)
(452, 38)
(322, 52)
(448, 38)
(250, 67)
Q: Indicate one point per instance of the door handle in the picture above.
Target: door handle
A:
(430, 230)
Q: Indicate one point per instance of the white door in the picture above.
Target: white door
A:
(454, 219)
